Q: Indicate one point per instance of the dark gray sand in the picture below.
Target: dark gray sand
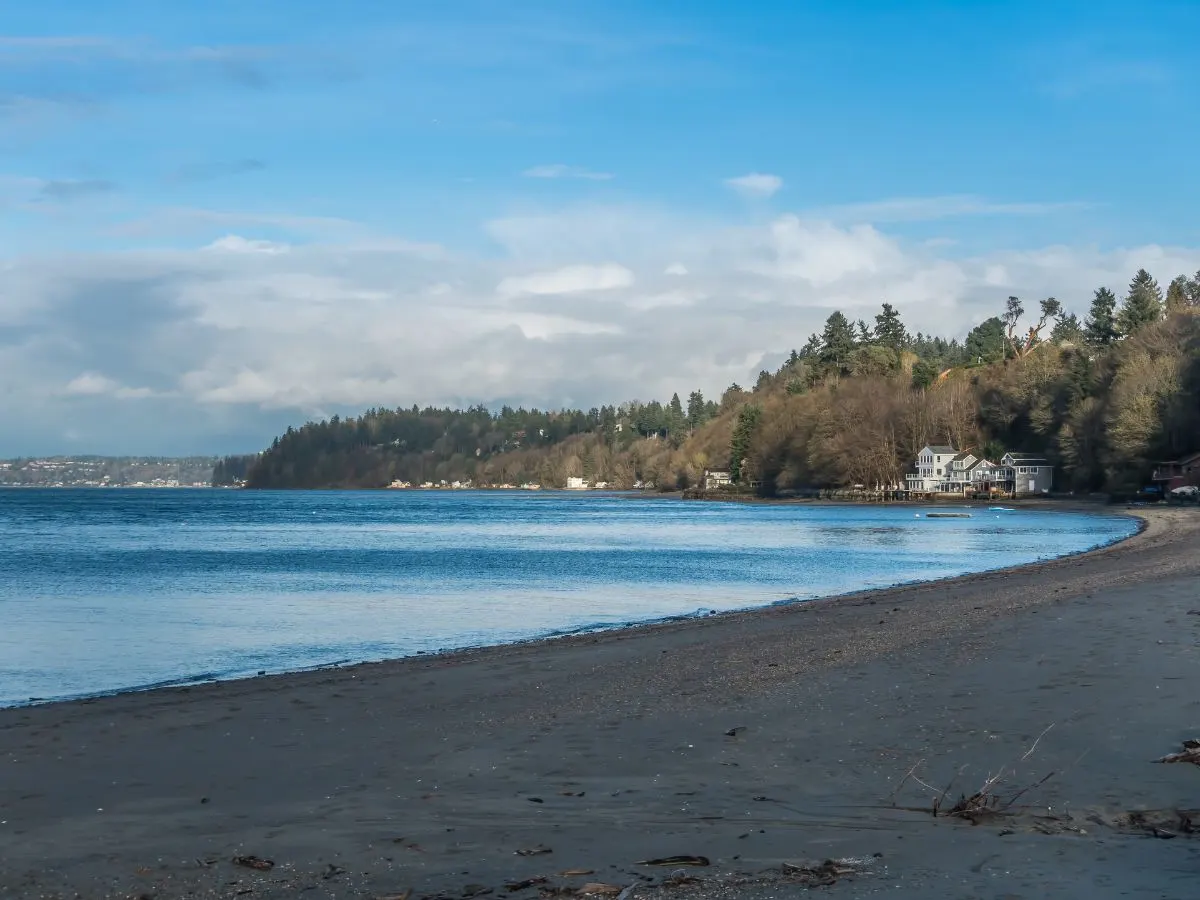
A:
(431, 774)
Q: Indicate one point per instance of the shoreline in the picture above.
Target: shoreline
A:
(752, 739)
(584, 634)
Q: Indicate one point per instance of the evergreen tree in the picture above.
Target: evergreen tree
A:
(837, 342)
(1143, 306)
(864, 333)
(1067, 330)
(764, 380)
(1100, 329)
(743, 434)
(676, 420)
(697, 412)
(811, 348)
(1193, 291)
(889, 330)
(986, 343)
(924, 373)
(1177, 295)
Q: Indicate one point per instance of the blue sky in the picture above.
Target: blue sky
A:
(219, 218)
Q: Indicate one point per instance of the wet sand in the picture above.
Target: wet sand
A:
(430, 774)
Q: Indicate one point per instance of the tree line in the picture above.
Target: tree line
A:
(1102, 398)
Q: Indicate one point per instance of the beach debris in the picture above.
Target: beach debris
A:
(575, 873)
(475, 890)
(254, 862)
(514, 886)
(600, 889)
(680, 878)
(403, 895)
(627, 893)
(572, 793)
(822, 874)
(1159, 823)
(332, 871)
(994, 799)
(539, 850)
(735, 731)
(535, 799)
(676, 861)
(1189, 754)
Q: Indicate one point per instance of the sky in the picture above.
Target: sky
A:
(218, 218)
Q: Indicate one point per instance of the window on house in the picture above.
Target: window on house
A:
(939, 471)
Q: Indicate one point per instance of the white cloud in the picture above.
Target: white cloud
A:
(567, 280)
(233, 243)
(756, 185)
(234, 346)
(559, 170)
(822, 253)
(90, 384)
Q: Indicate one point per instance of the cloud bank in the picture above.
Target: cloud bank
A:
(218, 348)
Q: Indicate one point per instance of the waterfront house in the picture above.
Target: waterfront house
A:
(714, 480)
(576, 484)
(957, 477)
(1027, 475)
(931, 466)
(1177, 473)
(987, 476)
(941, 469)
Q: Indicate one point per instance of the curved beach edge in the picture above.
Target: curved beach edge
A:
(1150, 522)
(1144, 519)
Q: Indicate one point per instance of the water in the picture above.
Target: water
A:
(105, 590)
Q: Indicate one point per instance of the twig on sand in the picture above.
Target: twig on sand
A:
(1029, 752)
(993, 798)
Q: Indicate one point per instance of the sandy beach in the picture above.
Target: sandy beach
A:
(764, 742)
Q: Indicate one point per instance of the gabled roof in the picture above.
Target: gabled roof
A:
(980, 462)
(941, 448)
(1026, 459)
(963, 455)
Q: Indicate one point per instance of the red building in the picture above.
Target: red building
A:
(1170, 475)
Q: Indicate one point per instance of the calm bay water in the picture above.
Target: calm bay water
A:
(105, 590)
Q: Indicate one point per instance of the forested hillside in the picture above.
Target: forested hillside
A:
(1103, 398)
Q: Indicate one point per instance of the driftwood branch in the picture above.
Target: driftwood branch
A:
(1189, 754)
(995, 797)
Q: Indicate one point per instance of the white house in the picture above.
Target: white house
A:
(714, 480)
(932, 463)
(576, 484)
(942, 469)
